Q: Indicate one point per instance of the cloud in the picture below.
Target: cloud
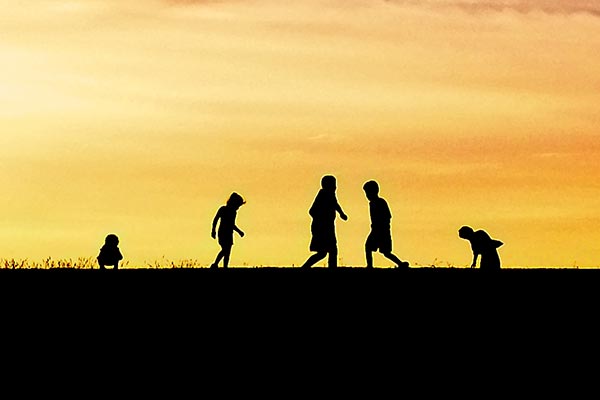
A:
(523, 6)
(202, 2)
(566, 7)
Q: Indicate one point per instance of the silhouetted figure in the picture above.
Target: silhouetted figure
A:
(110, 255)
(226, 214)
(323, 213)
(482, 244)
(380, 237)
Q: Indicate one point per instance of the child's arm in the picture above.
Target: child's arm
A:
(338, 208)
(213, 233)
(388, 212)
(475, 256)
(238, 230)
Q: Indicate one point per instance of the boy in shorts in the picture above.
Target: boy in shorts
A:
(380, 237)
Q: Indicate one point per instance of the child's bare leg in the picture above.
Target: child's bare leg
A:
(395, 259)
(226, 256)
(369, 257)
(332, 262)
(217, 260)
(315, 258)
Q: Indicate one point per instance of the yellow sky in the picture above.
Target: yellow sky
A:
(140, 117)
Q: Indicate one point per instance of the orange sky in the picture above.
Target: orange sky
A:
(140, 117)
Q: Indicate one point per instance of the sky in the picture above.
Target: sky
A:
(140, 118)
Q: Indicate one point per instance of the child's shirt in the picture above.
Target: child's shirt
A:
(227, 222)
(110, 253)
(324, 207)
(482, 243)
(380, 214)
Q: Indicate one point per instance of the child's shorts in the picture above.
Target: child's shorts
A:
(379, 241)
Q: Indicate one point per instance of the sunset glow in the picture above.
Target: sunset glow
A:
(139, 118)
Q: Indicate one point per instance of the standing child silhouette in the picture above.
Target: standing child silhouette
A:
(226, 214)
(323, 213)
(110, 253)
(380, 237)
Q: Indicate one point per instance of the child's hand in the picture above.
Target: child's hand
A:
(242, 233)
(344, 217)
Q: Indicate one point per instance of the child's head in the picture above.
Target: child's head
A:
(328, 183)
(111, 240)
(465, 232)
(235, 200)
(371, 189)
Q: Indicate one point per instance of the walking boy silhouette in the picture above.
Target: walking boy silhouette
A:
(226, 214)
(482, 244)
(323, 213)
(110, 253)
(380, 237)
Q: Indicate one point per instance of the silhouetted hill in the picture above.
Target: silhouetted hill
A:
(295, 305)
(344, 284)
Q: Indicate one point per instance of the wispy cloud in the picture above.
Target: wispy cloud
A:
(203, 2)
(523, 6)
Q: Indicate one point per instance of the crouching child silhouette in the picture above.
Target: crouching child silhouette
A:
(380, 237)
(323, 212)
(226, 215)
(482, 245)
(109, 253)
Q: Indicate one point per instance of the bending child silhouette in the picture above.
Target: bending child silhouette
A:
(110, 253)
(323, 213)
(482, 244)
(380, 237)
(226, 214)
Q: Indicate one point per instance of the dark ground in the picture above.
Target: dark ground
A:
(344, 287)
(436, 315)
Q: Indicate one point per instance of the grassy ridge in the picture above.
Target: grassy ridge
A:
(91, 263)
(280, 302)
